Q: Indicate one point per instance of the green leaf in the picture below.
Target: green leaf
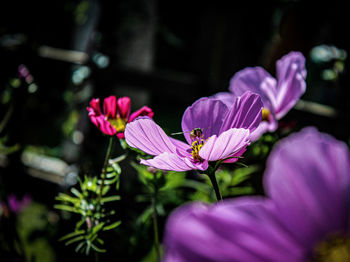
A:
(66, 208)
(79, 246)
(116, 168)
(145, 216)
(97, 228)
(144, 175)
(174, 180)
(110, 199)
(242, 190)
(242, 174)
(98, 249)
(73, 240)
(75, 192)
(111, 226)
(73, 234)
(67, 198)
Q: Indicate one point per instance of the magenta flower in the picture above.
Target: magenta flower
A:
(212, 130)
(116, 114)
(278, 95)
(305, 218)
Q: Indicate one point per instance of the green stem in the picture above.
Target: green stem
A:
(105, 165)
(155, 219)
(212, 177)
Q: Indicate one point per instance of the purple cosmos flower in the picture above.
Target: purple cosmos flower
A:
(278, 95)
(305, 218)
(213, 132)
(116, 114)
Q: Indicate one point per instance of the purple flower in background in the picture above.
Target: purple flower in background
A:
(213, 132)
(17, 205)
(305, 218)
(278, 95)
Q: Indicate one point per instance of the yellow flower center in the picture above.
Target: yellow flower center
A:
(265, 114)
(196, 136)
(118, 123)
(196, 146)
(334, 249)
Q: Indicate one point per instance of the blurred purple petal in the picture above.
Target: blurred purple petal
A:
(308, 178)
(245, 113)
(168, 161)
(144, 134)
(237, 230)
(226, 144)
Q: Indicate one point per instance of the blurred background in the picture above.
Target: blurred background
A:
(56, 56)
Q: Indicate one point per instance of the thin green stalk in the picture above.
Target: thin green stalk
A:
(155, 219)
(105, 165)
(212, 177)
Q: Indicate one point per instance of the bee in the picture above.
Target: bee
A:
(195, 133)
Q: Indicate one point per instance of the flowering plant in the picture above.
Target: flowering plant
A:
(115, 115)
(279, 94)
(213, 131)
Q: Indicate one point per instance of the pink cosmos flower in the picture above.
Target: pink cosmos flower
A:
(278, 95)
(213, 132)
(116, 114)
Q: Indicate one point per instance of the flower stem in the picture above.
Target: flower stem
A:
(155, 218)
(105, 165)
(215, 185)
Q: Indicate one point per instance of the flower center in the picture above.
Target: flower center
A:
(334, 249)
(118, 123)
(265, 114)
(196, 136)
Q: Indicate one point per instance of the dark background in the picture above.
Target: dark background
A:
(165, 54)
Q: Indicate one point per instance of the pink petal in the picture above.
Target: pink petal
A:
(229, 142)
(144, 111)
(233, 158)
(183, 149)
(123, 107)
(110, 106)
(245, 113)
(144, 134)
(103, 124)
(95, 106)
(120, 135)
(173, 162)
